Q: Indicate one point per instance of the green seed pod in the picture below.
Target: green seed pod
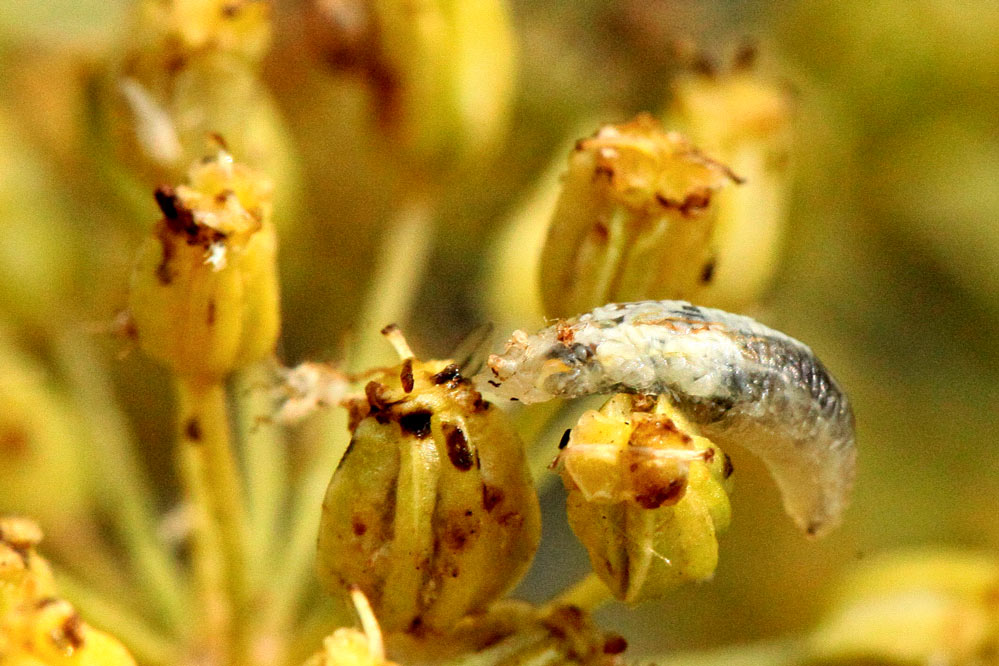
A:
(204, 292)
(743, 118)
(431, 512)
(633, 220)
(647, 495)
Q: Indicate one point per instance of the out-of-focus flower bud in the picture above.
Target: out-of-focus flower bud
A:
(918, 607)
(190, 73)
(633, 221)
(36, 628)
(350, 647)
(743, 118)
(426, 62)
(204, 293)
(42, 472)
(647, 495)
(431, 512)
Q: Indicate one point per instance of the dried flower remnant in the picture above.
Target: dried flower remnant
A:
(742, 117)
(739, 381)
(204, 293)
(36, 627)
(647, 495)
(633, 220)
(431, 511)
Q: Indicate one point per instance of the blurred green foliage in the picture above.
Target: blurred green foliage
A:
(889, 270)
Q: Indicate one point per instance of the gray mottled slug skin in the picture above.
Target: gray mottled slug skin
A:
(741, 382)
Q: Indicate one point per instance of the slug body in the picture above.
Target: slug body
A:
(738, 380)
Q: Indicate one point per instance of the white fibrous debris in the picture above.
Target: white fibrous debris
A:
(309, 387)
(738, 380)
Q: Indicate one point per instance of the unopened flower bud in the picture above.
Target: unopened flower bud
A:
(633, 220)
(204, 293)
(931, 606)
(742, 118)
(431, 512)
(36, 627)
(647, 495)
(426, 62)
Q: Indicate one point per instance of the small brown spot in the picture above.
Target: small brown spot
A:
(690, 204)
(491, 496)
(603, 170)
(72, 631)
(406, 375)
(455, 537)
(416, 423)
(745, 57)
(705, 65)
(709, 456)
(14, 442)
(391, 328)
(231, 10)
(708, 271)
(600, 233)
(358, 526)
(727, 467)
(450, 373)
(615, 644)
(458, 450)
(211, 312)
(654, 498)
(564, 442)
(192, 429)
(47, 601)
(165, 272)
(564, 332)
(643, 403)
(178, 217)
(812, 529)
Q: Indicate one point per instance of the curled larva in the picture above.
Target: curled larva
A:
(741, 382)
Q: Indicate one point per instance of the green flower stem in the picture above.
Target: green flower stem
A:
(214, 491)
(147, 644)
(588, 593)
(399, 271)
(124, 485)
(266, 464)
(294, 572)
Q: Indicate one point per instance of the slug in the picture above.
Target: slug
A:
(739, 381)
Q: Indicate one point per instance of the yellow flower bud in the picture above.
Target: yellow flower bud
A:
(350, 647)
(190, 72)
(36, 627)
(742, 118)
(204, 294)
(633, 220)
(919, 607)
(426, 62)
(647, 495)
(432, 511)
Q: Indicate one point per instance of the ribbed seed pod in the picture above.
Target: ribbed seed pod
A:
(431, 512)
(204, 292)
(647, 495)
(633, 221)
